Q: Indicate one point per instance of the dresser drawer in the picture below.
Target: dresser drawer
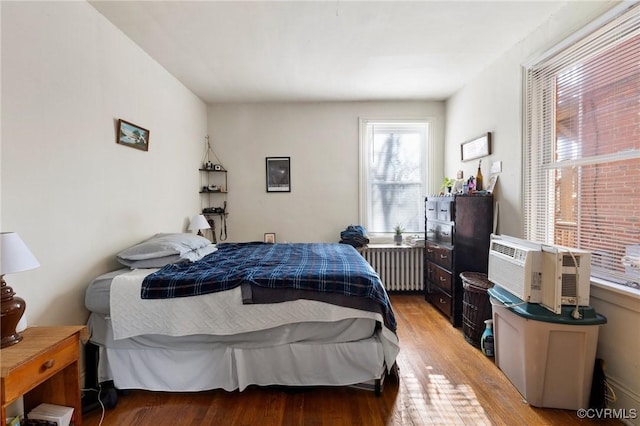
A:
(442, 279)
(445, 210)
(431, 208)
(40, 368)
(441, 255)
(431, 271)
(441, 301)
(444, 233)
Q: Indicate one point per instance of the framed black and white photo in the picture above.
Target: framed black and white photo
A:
(270, 237)
(132, 135)
(476, 148)
(278, 174)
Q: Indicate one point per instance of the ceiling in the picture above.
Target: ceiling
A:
(240, 51)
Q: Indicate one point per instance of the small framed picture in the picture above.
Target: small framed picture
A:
(278, 174)
(132, 135)
(476, 148)
(270, 238)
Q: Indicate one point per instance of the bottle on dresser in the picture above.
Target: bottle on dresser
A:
(479, 177)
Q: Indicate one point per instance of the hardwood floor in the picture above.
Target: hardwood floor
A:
(443, 380)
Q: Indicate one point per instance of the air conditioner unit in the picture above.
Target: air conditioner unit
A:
(516, 266)
(538, 273)
(566, 277)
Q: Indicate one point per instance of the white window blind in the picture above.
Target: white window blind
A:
(393, 170)
(582, 148)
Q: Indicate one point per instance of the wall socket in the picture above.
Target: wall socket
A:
(496, 167)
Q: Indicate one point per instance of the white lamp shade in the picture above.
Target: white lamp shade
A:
(15, 256)
(198, 222)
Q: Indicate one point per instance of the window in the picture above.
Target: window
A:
(582, 148)
(393, 159)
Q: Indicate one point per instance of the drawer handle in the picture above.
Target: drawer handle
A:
(429, 251)
(48, 364)
(443, 279)
(442, 301)
(442, 256)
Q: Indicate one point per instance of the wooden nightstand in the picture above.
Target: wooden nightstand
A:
(43, 367)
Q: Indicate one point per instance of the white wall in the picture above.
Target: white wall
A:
(322, 141)
(73, 194)
(492, 102)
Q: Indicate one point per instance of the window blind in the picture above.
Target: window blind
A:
(582, 148)
(393, 161)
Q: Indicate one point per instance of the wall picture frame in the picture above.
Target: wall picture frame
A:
(270, 237)
(491, 187)
(132, 135)
(278, 174)
(476, 148)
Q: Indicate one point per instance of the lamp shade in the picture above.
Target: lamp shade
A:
(15, 256)
(198, 222)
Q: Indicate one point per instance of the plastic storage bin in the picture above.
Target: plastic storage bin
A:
(476, 307)
(549, 358)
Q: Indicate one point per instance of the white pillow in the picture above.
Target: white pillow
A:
(162, 245)
(156, 262)
(198, 254)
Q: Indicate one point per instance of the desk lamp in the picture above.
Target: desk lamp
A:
(199, 222)
(14, 257)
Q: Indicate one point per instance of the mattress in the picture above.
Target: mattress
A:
(97, 295)
(309, 332)
(346, 346)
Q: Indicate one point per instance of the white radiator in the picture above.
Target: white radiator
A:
(400, 268)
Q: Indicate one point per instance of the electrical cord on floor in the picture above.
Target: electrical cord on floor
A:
(99, 390)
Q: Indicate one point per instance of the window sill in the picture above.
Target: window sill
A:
(390, 246)
(617, 294)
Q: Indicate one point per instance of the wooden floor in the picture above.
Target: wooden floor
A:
(443, 380)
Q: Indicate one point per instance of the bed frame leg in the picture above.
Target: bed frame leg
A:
(379, 383)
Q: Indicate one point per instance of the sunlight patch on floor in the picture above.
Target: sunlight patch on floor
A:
(442, 402)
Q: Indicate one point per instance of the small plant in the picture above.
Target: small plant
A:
(398, 237)
(447, 183)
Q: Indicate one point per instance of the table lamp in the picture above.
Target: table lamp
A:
(14, 257)
(199, 222)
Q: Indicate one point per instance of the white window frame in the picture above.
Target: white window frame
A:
(428, 154)
(538, 215)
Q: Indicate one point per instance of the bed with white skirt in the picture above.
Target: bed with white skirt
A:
(252, 330)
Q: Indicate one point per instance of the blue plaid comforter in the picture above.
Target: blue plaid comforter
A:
(332, 268)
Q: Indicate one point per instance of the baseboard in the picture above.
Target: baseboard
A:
(627, 402)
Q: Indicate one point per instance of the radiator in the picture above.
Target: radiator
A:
(400, 268)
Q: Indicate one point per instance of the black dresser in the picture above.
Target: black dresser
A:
(457, 232)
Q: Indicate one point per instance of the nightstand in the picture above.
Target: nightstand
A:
(43, 367)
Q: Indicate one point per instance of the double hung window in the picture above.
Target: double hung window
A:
(393, 163)
(582, 148)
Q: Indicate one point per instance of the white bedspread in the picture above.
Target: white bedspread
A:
(219, 313)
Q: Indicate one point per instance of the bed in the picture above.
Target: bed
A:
(241, 314)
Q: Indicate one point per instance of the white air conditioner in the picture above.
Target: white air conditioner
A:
(537, 273)
(566, 277)
(516, 266)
